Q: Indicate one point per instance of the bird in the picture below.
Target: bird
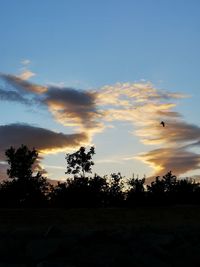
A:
(162, 123)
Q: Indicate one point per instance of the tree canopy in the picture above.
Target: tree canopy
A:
(20, 161)
(28, 188)
(80, 162)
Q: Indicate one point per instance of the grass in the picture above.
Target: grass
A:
(142, 236)
(169, 217)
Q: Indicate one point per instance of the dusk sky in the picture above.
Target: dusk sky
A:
(104, 73)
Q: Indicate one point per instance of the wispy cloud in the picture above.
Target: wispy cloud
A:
(55, 167)
(26, 74)
(22, 85)
(13, 96)
(175, 159)
(176, 133)
(25, 62)
(71, 107)
(74, 108)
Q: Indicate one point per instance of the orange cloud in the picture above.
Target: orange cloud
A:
(45, 141)
(177, 160)
(22, 85)
(26, 74)
(74, 108)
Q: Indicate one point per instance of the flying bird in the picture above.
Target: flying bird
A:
(162, 123)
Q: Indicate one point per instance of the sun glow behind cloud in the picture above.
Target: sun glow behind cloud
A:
(90, 111)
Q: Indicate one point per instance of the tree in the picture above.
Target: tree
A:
(157, 192)
(136, 193)
(98, 190)
(21, 161)
(115, 195)
(163, 191)
(76, 192)
(137, 185)
(25, 189)
(170, 181)
(80, 161)
(186, 191)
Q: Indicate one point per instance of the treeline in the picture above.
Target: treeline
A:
(25, 188)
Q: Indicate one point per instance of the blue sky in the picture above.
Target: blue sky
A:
(90, 44)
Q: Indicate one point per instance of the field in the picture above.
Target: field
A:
(143, 236)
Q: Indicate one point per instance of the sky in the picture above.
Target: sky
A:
(105, 74)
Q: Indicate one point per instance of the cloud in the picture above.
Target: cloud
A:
(132, 94)
(45, 141)
(25, 62)
(22, 85)
(175, 159)
(175, 133)
(55, 167)
(13, 96)
(26, 74)
(73, 107)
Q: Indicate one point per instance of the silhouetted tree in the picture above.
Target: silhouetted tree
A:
(164, 191)
(170, 181)
(76, 191)
(136, 185)
(80, 161)
(98, 189)
(80, 192)
(115, 195)
(25, 189)
(185, 191)
(156, 191)
(30, 189)
(21, 161)
(57, 195)
(136, 194)
(196, 192)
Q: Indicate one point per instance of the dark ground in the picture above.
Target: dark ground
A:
(143, 236)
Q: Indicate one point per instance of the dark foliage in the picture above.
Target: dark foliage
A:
(80, 161)
(31, 192)
(115, 194)
(80, 192)
(26, 189)
(169, 191)
(20, 161)
(156, 191)
(136, 194)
